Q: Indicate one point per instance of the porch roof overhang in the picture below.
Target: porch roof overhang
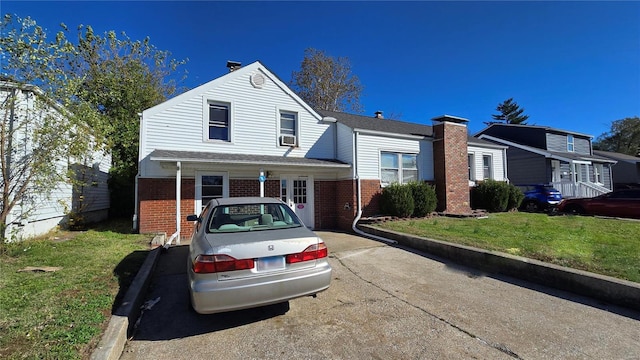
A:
(243, 159)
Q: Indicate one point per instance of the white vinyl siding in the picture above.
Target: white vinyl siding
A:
(477, 167)
(371, 146)
(254, 121)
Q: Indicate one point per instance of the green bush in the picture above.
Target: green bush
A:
(424, 198)
(397, 200)
(496, 196)
(515, 197)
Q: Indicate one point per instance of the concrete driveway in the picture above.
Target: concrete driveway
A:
(390, 303)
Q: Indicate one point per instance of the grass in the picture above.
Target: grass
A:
(604, 246)
(61, 314)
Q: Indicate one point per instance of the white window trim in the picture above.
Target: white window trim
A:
(278, 129)
(491, 167)
(399, 154)
(205, 120)
(198, 195)
(472, 168)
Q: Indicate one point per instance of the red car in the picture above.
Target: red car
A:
(623, 203)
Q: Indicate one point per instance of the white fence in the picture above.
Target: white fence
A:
(580, 189)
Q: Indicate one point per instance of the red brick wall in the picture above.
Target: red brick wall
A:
(345, 203)
(157, 206)
(251, 187)
(157, 202)
(450, 167)
(371, 193)
(324, 198)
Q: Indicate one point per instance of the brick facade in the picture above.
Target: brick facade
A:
(157, 206)
(450, 166)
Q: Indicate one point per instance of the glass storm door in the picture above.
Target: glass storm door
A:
(297, 192)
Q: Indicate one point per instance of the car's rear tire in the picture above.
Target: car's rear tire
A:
(531, 206)
(574, 209)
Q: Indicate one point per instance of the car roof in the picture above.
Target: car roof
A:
(245, 200)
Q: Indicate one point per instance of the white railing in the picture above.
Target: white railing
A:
(580, 189)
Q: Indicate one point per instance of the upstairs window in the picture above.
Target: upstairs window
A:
(398, 168)
(288, 128)
(570, 143)
(219, 122)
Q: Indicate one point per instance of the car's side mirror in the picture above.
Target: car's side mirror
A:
(193, 218)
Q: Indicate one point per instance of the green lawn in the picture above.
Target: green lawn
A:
(604, 246)
(61, 314)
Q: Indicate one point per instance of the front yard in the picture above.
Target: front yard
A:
(604, 246)
(59, 308)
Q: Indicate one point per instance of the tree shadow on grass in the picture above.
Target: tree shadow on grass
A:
(126, 271)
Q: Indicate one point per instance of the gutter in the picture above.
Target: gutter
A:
(354, 225)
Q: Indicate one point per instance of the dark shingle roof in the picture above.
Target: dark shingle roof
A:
(617, 156)
(383, 125)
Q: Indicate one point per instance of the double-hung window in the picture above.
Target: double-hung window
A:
(487, 167)
(570, 143)
(288, 128)
(472, 167)
(219, 128)
(398, 168)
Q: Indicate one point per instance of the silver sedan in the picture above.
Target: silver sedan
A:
(250, 252)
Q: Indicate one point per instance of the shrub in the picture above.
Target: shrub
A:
(491, 195)
(515, 197)
(397, 200)
(424, 198)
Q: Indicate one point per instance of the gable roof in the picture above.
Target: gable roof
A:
(378, 124)
(251, 68)
(617, 156)
(545, 128)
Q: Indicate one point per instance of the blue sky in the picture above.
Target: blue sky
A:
(571, 65)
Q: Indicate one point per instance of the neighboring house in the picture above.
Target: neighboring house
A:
(626, 172)
(41, 210)
(247, 134)
(546, 155)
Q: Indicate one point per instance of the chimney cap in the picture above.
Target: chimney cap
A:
(232, 65)
(450, 118)
(378, 114)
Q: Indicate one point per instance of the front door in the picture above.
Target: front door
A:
(297, 192)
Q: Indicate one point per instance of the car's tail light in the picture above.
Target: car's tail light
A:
(204, 264)
(313, 252)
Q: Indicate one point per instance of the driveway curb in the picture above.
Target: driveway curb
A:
(605, 288)
(124, 318)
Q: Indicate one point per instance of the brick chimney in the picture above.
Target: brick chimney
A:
(451, 164)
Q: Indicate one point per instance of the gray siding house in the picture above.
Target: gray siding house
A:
(546, 155)
(626, 173)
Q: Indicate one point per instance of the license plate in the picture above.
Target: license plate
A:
(271, 263)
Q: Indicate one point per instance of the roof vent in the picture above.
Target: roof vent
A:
(233, 65)
(379, 115)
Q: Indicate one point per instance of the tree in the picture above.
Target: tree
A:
(122, 77)
(623, 137)
(43, 126)
(326, 83)
(510, 113)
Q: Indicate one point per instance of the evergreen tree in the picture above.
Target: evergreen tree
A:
(510, 112)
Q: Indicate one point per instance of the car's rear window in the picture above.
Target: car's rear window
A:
(251, 217)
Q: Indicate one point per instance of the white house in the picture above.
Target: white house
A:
(40, 210)
(247, 134)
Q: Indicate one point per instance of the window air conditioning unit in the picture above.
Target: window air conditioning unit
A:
(287, 140)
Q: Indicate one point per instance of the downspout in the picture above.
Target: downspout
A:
(354, 226)
(176, 235)
(504, 164)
